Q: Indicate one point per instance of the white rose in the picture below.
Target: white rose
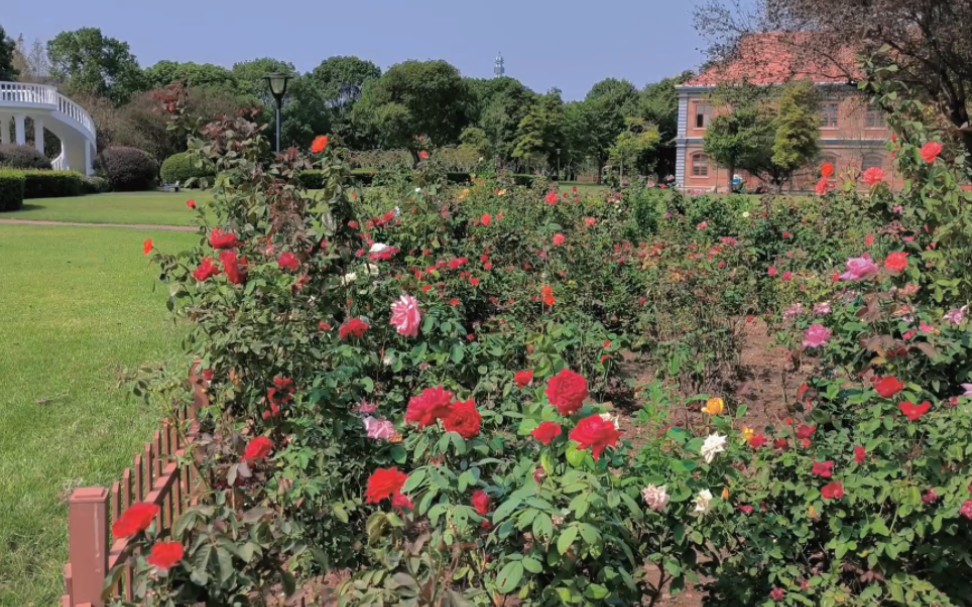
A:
(714, 444)
(703, 502)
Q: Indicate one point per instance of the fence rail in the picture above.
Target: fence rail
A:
(160, 475)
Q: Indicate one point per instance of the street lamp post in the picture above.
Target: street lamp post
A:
(278, 88)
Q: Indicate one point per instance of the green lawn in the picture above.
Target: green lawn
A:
(80, 306)
(152, 208)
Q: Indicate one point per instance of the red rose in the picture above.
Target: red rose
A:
(431, 405)
(595, 433)
(223, 240)
(353, 328)
(191, 204)
(135, 520)
(547, 293)
(567, 391)
(481, 502)
(546, 432)
(288, 261)
(860, 455)
(148, 247)
(258, 449)
(486, 219)
(823, 469)
(758, 441)
(559, 239)
(781, 444)
(805, 432)
(552, 199)
(464, 419)
(166, 555)
(914, 412)
(402, 502)
(383, 484)
(206, 270)
(832, 491)
(319, 144)
(424, 155)
(523, 378)
(930, 151)
(234, 267)
(827, 170)
(896, 262)
(887, 387)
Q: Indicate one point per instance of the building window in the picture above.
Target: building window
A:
(871, 161)
(703, 114)
(875, 118)
(828, 114)
(700, 165)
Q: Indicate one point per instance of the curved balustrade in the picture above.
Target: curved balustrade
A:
(19, 98)
(25, 95)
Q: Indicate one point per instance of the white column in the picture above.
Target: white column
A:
(88, 169)
(19, 131)
(4, 129)
(39, 135)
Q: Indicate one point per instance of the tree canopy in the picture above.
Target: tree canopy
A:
(7, 45)
(87, 61)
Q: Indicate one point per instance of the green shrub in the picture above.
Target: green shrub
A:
(11, 190)
(22, 157)
(52, 184)
(314, 179)
(94, 185)
(524, 180)
(128, 169)
(180, 168)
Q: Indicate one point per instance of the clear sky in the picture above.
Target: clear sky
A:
(569, 44)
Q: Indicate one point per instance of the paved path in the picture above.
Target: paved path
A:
(78, 224)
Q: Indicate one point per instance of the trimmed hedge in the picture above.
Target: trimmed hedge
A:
(95, 185)
(11, 190)
(128, 169)
(52, 184)
(22, 157)
(180, 168)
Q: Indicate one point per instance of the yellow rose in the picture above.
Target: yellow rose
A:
(714, 406)
(725, 494)
(748, 433)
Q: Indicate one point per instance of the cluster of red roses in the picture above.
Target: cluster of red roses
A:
(434, 404)
(281, 394)
(233, 265)
(137, 519)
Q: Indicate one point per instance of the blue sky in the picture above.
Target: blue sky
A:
(570, 44)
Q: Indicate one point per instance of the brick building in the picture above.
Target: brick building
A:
(853, 135)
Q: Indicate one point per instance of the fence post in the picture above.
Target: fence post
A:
(88, 544)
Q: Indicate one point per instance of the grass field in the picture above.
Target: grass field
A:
(151, 208)
(80, 306)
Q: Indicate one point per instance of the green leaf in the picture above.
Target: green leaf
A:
(532, 565)
(566, 539)
(509, 577)
(506, 509)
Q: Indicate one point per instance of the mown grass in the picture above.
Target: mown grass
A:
(150, 208)
(80, 308)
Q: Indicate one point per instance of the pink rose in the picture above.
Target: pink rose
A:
(816, 336)
(860, 268)
(406, 316)
(379, 429)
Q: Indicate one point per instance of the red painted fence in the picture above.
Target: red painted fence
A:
(161, 475)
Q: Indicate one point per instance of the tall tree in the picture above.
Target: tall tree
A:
(606, 106)
(334, 87)
(507, 103)
(927, 40)
(797, 127)
(87, 61)
(7, 47)
(633, 149)
(164, 73)
(540, 136)
(411, 100)
(250, 77)
(743, 137)
(31, 64)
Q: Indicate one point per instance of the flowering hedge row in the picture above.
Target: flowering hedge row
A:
(423, 387)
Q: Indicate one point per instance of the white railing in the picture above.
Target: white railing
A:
(26, 95)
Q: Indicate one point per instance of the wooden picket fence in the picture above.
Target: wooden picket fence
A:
(161, 476)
